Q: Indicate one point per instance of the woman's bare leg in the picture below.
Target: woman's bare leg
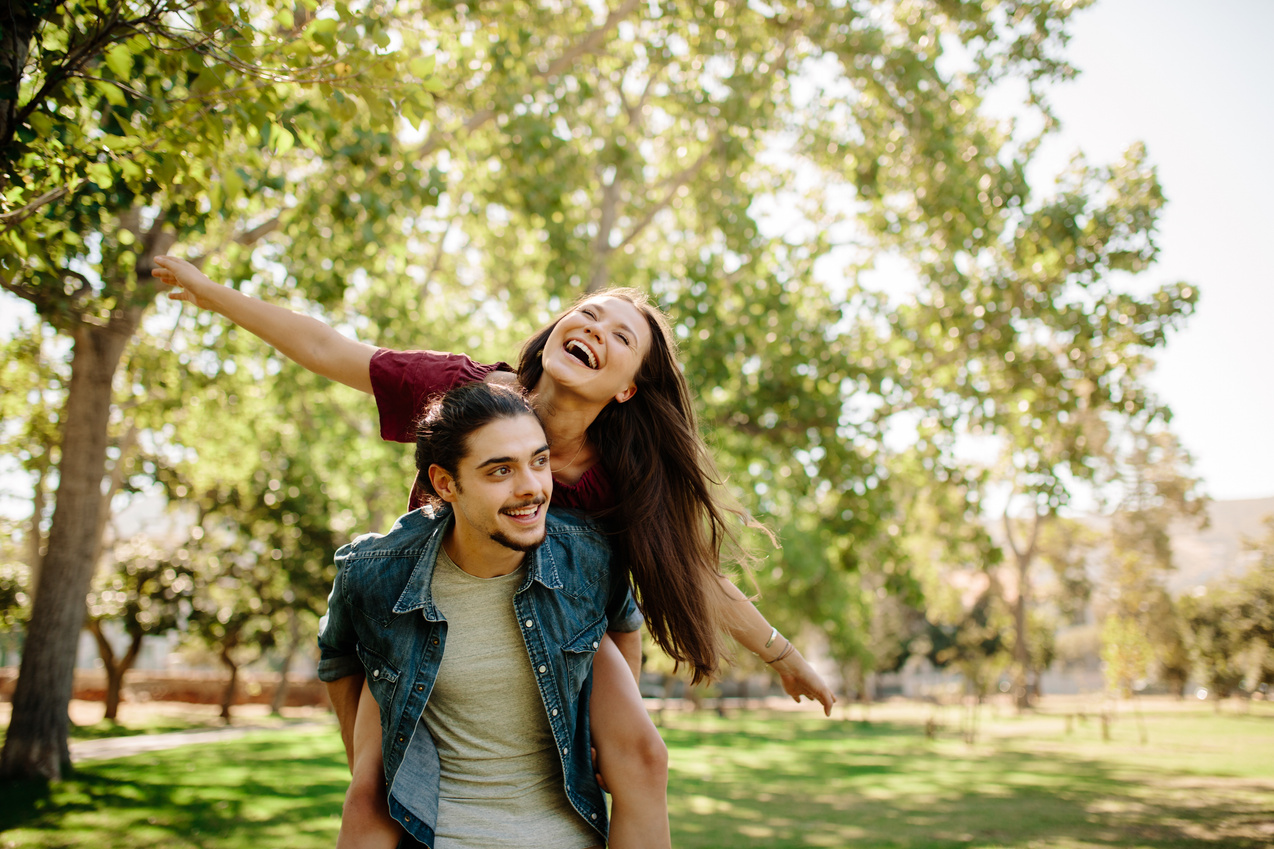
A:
(365, 819)
(631, 756)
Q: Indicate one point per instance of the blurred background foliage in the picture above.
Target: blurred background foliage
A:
(449, 175)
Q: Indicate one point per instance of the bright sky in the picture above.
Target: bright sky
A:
(1192, 81)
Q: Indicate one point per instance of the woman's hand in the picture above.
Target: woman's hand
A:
(800, 679)
(185, 282)
(299, 337)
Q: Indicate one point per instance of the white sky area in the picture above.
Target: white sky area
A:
(1192, 81)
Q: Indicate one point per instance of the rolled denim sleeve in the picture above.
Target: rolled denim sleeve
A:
(622, 612)
(337, 638)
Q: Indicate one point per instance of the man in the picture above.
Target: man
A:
(475, 623)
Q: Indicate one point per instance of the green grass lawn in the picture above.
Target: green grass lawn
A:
(759, 779)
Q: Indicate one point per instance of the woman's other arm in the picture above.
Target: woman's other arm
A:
(751, 630)
(302, 339)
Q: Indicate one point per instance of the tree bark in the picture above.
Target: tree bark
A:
(35, 745)
(15, 45)
(227, 695)
(35, 533)
(294, 643)
(1023, 556)
(116, 668)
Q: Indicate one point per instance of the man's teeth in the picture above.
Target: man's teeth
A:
(583, 349)
(524, 511)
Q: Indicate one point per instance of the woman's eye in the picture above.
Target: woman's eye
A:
(622, 338)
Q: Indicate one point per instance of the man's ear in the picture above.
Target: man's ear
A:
(627, 393)
(444, 483)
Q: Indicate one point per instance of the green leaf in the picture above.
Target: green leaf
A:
(322, 26)
(120, 60)
(422, 66)
(281, 140)
(112, 93)
(100, 173)
(41, 123)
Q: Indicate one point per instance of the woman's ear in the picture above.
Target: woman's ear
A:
(444, 483)
(626, 394)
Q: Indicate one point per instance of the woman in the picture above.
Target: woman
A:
(616, 408)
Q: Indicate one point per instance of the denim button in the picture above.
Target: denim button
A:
(543, 669)
(529, 623)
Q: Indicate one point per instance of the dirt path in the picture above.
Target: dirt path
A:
(247, 718)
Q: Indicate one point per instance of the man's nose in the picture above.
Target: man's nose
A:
(528, 482)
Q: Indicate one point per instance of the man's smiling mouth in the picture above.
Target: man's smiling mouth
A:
(526, 511)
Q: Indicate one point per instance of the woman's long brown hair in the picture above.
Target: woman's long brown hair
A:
(669, 519)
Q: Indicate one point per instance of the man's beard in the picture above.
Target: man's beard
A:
(524, 547)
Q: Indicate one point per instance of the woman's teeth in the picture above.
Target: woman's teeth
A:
(582, 353)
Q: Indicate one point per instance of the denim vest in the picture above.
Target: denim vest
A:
(381, 621)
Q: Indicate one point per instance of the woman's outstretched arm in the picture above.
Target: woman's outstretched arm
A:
(751, 630)
(305, 340)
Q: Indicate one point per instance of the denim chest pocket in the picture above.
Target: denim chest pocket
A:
(382, 676)
(578, 651)
(582, 570)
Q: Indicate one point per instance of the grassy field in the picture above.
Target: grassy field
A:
(753, 779)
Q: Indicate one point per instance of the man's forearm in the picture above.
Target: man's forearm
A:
(343, 693)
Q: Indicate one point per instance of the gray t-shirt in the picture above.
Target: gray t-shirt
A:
(501, 781)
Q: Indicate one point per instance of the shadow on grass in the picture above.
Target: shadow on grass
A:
(804, 783)
(280, 789)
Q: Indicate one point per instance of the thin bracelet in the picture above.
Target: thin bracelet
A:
(784, 653)
(774, 632)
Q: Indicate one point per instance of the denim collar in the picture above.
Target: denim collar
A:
(416, 595)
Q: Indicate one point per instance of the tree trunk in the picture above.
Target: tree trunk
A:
(19, 28)
(35, 533)
(294, 643)
(227, 695)
(35, 745)
(1023, 556)
(1021, 651)
(115, 668)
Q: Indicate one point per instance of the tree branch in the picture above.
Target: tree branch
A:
(588, 44)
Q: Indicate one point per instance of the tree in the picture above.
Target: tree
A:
(1155, 491)
(1216, 640)
(1256, 609)
(122, 129)
(148, 593)
(1038, 341)
(574, 149)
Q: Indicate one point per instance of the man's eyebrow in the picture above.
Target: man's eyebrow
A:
(500, 461)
